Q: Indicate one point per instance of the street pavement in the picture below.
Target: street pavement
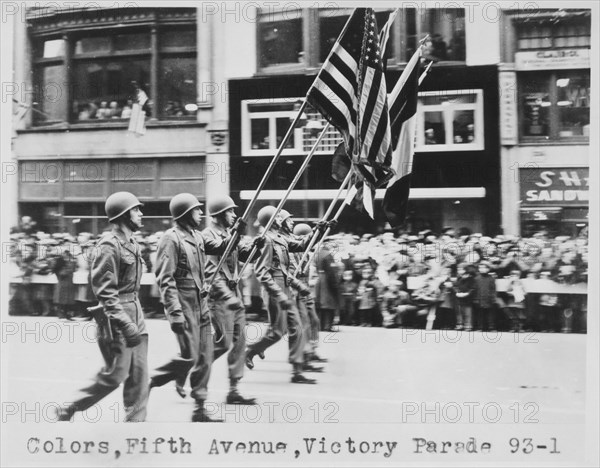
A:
(374, 375)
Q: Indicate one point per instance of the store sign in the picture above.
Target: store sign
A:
(554, 186)
(553, 59)
(509, 133)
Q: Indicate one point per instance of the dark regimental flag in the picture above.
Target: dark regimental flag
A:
(403, 109)
(350, 91)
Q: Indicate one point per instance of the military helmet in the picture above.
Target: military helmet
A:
(285, 214)
(220, 204)
(182, 203)
(120, 203)
(265, 214)
(302, 229)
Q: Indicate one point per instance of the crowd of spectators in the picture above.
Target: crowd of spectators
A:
(423, 281)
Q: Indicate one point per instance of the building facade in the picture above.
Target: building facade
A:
(82, 71)
(456, 172)
(545, 120)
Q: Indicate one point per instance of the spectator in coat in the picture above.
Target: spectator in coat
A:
(465, 294)
(348, 289)
(516, 301)
(447, 307)
(64, 293)
(327, 286)
(367, 299)
(485, 298)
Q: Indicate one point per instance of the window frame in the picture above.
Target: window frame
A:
(553, 117)
(299, 131)
(448, 112)
(153, 27)
(311, 37)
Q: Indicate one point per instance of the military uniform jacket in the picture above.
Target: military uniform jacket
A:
(116, 273)
(230, 268)
(180, 270)
(274, 262)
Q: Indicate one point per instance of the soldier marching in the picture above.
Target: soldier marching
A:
(201, 293)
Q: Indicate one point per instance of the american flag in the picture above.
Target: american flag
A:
(350, 91)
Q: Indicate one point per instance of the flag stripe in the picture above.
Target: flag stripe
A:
(351, 91)
(403, 109)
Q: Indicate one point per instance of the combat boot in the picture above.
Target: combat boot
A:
(199, 414)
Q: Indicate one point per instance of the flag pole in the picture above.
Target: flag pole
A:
(235, 235)
(285, 196)
(424, 74)
(349, 197)
(313, 240)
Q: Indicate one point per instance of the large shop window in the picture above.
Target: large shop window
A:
(296, 39)
(555, 105)
(450, 121)
(265, 123)
(555, 32)
(88, 76)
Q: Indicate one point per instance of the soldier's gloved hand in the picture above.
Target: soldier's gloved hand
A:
(303, 290)
(259, 242)
(321, 226)
(332, 224)
(240, 226)
(178, 328)
(131, 334)
(285, 304)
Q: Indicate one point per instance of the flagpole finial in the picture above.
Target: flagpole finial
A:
(422, 41)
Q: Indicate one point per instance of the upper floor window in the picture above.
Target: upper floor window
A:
(555, 32)
(555, 105)
(450, 121)
(265, 123)
(296, 39)
(96, 75)
(280, 37)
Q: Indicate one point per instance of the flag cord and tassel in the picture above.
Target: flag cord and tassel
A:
(315, 235)
(235, 234)
(285, 196)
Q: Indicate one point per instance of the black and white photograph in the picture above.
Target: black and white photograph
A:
(283, 233)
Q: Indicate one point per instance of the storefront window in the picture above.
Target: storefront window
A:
(555, 105)
(535, 102)
(573, 104)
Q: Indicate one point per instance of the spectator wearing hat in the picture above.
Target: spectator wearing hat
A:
(446, 313)
(516, 301)
(64, 292)
(367, 299)
(465, 294)
(348, 288)
(485, 298)
(548, 310)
